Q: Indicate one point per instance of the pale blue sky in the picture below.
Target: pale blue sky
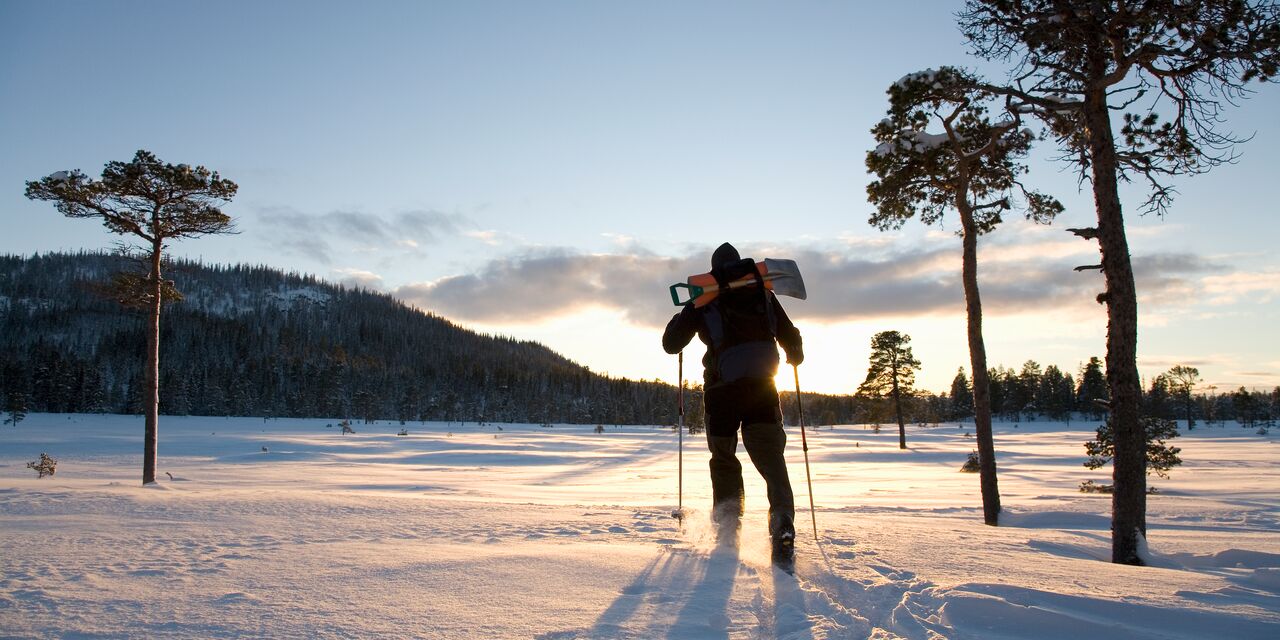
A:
(458, 153)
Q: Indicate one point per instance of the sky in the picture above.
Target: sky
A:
(545, 170)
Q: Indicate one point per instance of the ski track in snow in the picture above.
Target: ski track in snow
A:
(457, 531)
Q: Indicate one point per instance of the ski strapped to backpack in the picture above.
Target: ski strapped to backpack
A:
(777, 275)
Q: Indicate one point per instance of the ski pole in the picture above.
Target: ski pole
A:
(804, 445)
(679, 513)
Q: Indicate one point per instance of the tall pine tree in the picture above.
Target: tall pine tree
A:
(155, 203)
(969, 163)
(1078, 61)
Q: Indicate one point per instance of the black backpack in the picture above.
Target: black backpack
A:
(742, 326)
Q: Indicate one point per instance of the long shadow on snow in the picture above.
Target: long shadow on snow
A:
(700, 585)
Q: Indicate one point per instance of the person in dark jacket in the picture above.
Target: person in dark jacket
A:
(742, 329)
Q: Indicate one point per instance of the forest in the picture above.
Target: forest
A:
(254, 341)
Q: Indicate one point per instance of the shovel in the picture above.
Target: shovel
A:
(780, 276)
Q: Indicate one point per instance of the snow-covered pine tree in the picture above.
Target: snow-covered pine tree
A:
(940, 150)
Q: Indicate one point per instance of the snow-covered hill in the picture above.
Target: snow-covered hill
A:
(289, 529)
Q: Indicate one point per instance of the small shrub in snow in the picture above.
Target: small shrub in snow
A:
(46, 466)
(971, 465)
(1160, 456)
(402, 432)
(599, 428)
(346, 427)
(1089, 486)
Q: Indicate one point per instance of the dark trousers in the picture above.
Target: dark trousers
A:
(751, 405)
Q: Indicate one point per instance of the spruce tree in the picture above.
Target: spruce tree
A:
(961, 396)
(1092, 393)
(155, 203)
(1077, 61)
(16, 406)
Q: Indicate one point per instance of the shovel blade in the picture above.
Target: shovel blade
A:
(783, 277)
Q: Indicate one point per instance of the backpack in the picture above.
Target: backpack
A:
(743, 327)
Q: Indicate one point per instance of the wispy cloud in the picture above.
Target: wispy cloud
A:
(487, 236)
(318, 236)
(1259, 286)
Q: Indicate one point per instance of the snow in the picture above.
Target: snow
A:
(60, 176)
(471, 531)
(288, 297)
(918, 141)
(926, 76)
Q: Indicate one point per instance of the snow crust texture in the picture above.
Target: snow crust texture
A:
(289, 529)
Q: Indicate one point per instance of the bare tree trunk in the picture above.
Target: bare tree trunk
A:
(152, 399)
(897, 408)
(1129, 501)
(981, 381)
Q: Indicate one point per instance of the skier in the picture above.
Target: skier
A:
(741, 328)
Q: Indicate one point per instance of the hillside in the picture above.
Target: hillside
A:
(251, 340)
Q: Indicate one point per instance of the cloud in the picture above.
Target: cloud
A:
(842, 284)
(486, 236)
(1172, 279)
(1229, 288)
(318, 236)
(1168, 362)
(553, 282)
(359, 278)
(313, 247)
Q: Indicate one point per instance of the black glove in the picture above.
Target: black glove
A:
(795, 356)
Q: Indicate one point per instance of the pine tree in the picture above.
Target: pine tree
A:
(1157, 398)
(16, 406)
(1077, 61)
(891, 373)
(1159, 456)
(969, 163)
(961, 396)
(156, 203)
(1028, 381)
(1183, 380)
(1246, 407)
(1093, 389)
(1054, 393)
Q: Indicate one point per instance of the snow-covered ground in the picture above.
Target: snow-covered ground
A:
(288, 529)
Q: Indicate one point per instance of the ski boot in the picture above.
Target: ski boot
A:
(784, 552)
